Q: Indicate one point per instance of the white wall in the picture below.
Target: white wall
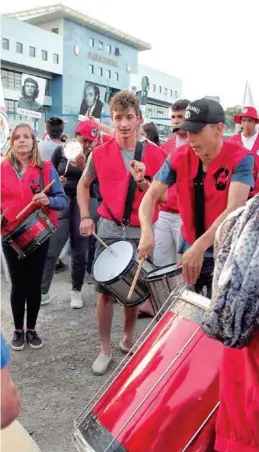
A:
(29, 35)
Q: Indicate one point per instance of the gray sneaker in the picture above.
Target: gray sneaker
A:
(101, 364)
(76, 299)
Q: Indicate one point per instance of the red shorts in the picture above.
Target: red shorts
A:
(237, 428)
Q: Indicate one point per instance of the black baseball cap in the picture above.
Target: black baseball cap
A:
(200, 113)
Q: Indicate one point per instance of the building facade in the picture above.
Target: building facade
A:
(83, 62)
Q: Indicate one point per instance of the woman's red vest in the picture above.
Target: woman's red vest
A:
(255, 152)
(17, 193)
(114, 178)
(216, 184)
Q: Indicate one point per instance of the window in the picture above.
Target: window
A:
(108, 73)
(91, 69)
(160, 89)
(156, 111)
(109, 48)
(171, 92)
(32, 51)
(154, 87)
(100, 45)
(44, 55)
(100, 71)
(117, 51)
(5, 44)
(55, 58)
(116, 75)
(165, 91)
(19, 47)
(55, 30)
(11, 80)
(91, 42)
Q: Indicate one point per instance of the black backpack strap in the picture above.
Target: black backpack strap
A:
(131, 191)
(199, 202)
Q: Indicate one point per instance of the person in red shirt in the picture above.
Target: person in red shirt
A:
(112, 163)
(177, 117)
(205, 196)
(249, 137)
(167, 228)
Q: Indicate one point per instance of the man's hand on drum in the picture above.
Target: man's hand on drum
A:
(87, 227)
(192, 261)
(80, 162)
(138, 170)
(146, 243)
(41, 198)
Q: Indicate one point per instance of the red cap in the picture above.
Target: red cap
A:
(88, 129)
(248, 112)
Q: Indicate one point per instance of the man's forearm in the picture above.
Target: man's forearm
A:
(83, 198)
(146, 210)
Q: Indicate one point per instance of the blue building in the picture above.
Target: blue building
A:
(83, 60)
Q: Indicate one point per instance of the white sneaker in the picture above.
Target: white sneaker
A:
(76, 299)
(101, 364)
(45, 299)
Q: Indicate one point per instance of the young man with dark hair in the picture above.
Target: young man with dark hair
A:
(167, 228)
(203, 204)
(113, 164)
(55, 129)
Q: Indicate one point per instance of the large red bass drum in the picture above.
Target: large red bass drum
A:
(165, 397)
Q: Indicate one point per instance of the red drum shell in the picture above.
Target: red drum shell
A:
(179, 404)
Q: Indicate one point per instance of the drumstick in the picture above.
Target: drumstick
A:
(32, 202)
(102, 242)
(134, 282)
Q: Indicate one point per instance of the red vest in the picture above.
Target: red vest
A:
(255, 152)
(169, 145)
(114, 179)
(171, 204)
(17, 193)
(185, 162)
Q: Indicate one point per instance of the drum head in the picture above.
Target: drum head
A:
(110, 265)
(71, 149)
(15, 438)
(168, 270)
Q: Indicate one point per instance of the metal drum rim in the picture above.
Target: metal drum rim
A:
(176, 272)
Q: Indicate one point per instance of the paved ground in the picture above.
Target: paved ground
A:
(56, 382)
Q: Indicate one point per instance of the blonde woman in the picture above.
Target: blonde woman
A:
(23, 176)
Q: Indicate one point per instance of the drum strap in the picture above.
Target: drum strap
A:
(41, 178)
(199, 200)
(131, 191)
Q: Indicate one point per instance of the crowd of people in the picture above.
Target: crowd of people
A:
(183, 191)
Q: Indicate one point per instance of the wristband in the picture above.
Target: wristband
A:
(85, 218)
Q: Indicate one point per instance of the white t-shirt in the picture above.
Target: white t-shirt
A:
(180, 141)
(249, 142)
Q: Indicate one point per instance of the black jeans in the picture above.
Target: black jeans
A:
(69, 222)
(26, 276)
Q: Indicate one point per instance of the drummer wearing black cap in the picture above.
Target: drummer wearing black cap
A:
(213, 177)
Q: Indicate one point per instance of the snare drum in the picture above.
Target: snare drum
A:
(116, 269)
(15, 438)
(161, 283)
(30, 234)
(165, 399)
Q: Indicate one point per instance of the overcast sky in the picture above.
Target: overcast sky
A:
(212, 45)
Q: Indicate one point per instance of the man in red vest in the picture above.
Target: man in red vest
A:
(112, 163)
(249, 137)
(177, 117)
(213, 177)
(167, 227)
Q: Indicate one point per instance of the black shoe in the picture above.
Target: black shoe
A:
(60, 267)
(34, 340)
(18, 340)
